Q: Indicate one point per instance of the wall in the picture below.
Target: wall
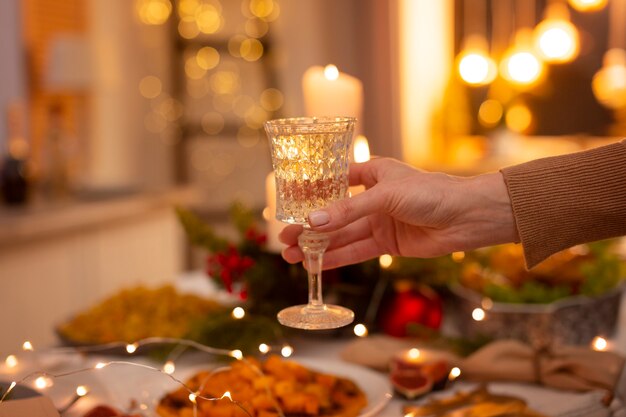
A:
(12, 66)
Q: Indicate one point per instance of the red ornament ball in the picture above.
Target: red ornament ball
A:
(411, 304)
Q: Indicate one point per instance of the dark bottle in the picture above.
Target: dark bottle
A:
(13, 179)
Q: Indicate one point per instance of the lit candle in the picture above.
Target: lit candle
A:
(274, 227)
(328, 92)
(415, 372)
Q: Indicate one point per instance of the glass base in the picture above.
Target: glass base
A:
(315, 317)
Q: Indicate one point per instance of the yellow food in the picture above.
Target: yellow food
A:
(264, 389)
(137, 313)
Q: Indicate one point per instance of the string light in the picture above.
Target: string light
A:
(599, 344)
(131, 348)
(556, 38)
(43, 379)
(478, 314)
(385, 261)
(286, 351)
(454, 373)
(360, 330)
(458, 256)
(169, 367)
(264, 348)
(238, 313)
(11, 361)
(27, 346)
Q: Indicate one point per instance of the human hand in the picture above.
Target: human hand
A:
(408, 212)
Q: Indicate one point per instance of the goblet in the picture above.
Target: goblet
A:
(310, 157)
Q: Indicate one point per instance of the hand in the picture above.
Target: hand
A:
(408, 212)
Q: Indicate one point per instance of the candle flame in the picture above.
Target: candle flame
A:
(414, 353)
(331, 72)
(361, 149)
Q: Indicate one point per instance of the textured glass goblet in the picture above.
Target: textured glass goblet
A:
(310, 157)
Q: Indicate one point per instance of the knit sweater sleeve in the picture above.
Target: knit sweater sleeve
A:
(562, 201)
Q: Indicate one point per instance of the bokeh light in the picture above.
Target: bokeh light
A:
(209, 18)
(557, 40)
(187, 28)
(478, 314)
(609, 83)
(519, 118)
(521, 67)
(212, 123)
(490, 113)
(207, 57)
(251, 49)
(271, 99)
(193, 70)
(153, 12)
(477, 68)
(262, 8)
(385, 261)
(256, 28)
(150, 86)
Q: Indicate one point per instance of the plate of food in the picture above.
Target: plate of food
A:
(277, 386)
(134, 314)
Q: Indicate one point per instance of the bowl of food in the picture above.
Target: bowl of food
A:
(570, 298)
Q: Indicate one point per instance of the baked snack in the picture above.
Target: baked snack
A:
(264, 388)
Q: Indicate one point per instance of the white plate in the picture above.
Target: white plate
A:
(376, 386)
(128, 383)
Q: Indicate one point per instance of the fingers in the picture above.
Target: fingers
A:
(351, 236)
(353, 253)
(346, 211)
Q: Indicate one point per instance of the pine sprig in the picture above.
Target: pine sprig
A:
(200, 233)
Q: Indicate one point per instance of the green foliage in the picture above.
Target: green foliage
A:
(246, 334)
(604, 272)
(199, 233)
(528, 292)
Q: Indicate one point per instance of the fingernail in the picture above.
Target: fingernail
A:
(318, 218)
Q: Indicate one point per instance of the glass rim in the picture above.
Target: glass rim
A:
(310, 121)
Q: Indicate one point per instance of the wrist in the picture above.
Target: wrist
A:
(490, 211)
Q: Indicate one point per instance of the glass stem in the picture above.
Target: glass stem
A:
(313, 245)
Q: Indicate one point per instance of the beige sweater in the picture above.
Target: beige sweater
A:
(562, 201)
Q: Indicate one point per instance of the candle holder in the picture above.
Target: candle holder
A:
(416, 372)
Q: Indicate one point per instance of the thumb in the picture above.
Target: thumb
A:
(345, 211)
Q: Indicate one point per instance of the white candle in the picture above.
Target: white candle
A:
(328, 92)
(274, 227)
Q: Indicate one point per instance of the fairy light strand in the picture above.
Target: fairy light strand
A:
(131, 348)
